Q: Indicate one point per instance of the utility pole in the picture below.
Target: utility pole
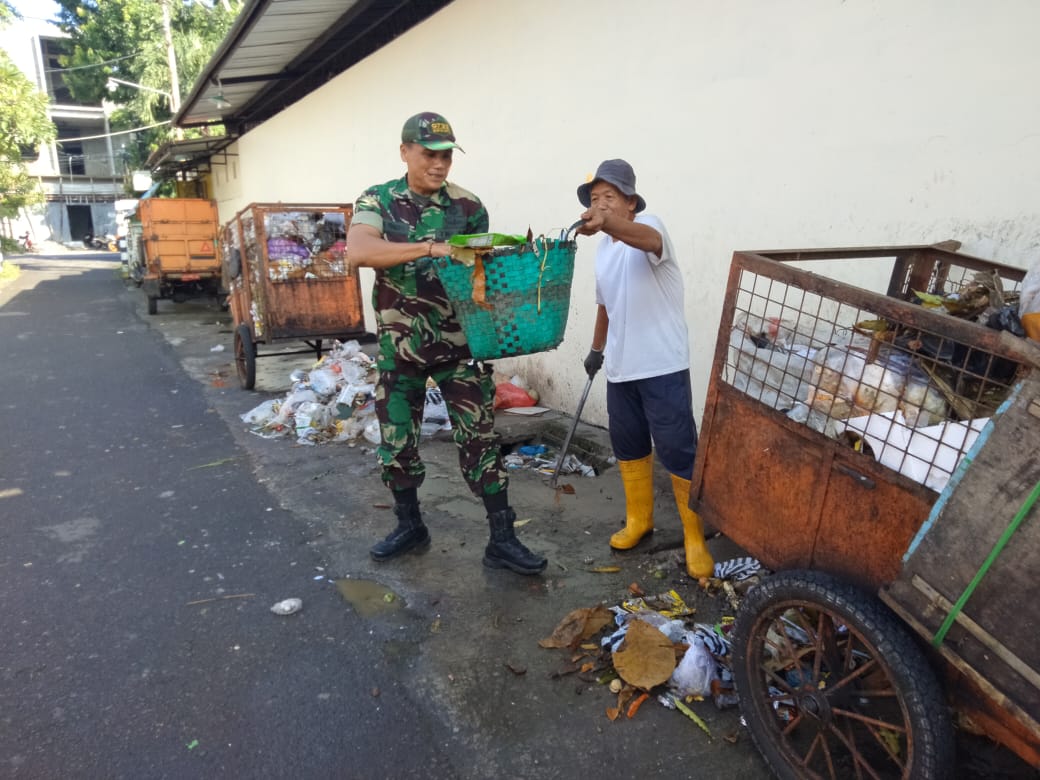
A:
(171, 56)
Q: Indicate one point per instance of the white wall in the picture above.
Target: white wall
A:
(751, 125)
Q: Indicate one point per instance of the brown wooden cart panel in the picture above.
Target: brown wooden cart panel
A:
(995, 634)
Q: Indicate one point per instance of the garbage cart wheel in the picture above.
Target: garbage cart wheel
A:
(832, 684)
(153, 305)
(245, 357)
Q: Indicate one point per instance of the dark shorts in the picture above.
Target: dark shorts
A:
(654, 414)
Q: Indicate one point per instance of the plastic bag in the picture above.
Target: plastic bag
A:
(311, 415)
(294, 399)
(323, 381)
(696, 670)
(371, 432)
(262, 414)
(352, 397)
(1029, 292)
(509, 396)
(435, 413)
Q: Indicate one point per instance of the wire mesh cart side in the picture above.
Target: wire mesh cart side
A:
(850, 391)
(289, 280)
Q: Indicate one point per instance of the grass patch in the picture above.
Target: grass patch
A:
(9, 271)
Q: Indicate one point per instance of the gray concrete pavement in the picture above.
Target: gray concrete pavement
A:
(471, 628)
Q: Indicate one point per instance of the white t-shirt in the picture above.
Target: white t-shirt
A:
(643, 295)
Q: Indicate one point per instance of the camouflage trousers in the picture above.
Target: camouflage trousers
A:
(469, 394)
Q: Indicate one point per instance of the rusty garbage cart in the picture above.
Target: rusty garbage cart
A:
(870, 435)
(288, 280)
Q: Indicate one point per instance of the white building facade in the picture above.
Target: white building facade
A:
(81, 171)
(751, 125)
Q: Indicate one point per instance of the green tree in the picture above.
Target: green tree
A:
(24, 126)
(125, 39)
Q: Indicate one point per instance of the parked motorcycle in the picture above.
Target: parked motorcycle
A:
(90, 241)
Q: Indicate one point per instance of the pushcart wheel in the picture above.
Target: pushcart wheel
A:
(153, 305)
(832, 684)
(245, 357)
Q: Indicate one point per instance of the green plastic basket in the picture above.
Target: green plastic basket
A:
(528, 289)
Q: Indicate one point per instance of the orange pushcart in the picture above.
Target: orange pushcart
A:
(288, 280)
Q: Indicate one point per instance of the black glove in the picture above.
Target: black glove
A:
(594, 362)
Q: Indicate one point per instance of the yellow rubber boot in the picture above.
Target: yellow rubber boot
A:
(699, 562)
(638, 478)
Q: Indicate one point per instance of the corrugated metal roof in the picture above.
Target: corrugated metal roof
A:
(279, 51)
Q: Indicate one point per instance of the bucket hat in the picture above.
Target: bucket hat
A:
(429, 129)
(616, 172)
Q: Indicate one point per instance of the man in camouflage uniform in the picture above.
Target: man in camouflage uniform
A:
(397, 228)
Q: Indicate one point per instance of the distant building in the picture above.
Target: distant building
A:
(81, 172)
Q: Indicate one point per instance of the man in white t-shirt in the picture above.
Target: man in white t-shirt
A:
(641, 337)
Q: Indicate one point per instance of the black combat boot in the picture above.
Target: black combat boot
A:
(410, 534)
(505, 551)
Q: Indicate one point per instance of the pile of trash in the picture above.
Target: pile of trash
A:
(333, 402)
(651, 646)
(914, 400)
(540, 458)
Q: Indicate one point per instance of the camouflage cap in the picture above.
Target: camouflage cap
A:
(430, 130)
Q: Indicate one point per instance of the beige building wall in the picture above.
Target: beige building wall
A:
(751, 125)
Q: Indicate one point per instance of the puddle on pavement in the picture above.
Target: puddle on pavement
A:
(369, 598)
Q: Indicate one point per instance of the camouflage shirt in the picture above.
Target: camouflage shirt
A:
(415, 319)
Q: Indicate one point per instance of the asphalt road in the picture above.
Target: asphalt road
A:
(139, 558)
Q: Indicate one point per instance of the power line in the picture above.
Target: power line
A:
(109, 135)
(94, 65)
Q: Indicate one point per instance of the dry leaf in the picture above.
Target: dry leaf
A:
(605, 569)
(517, 670)
(635, 590)
(613, 712)
(624, 697)
(480, 285)
(587, 667)
(646, 657)
(577, 626)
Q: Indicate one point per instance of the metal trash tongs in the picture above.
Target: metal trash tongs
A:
(570, 434)
(581, 403)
